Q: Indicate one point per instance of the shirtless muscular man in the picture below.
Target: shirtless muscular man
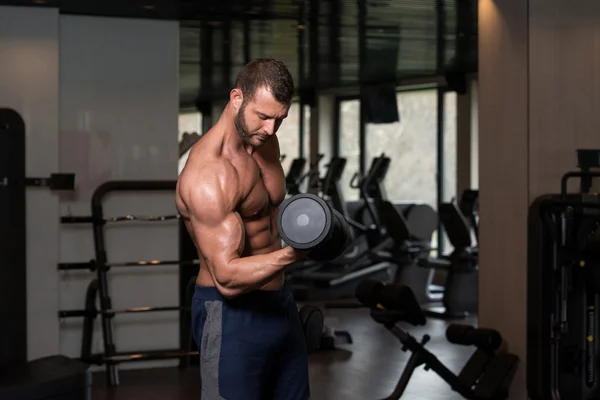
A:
(244, 318)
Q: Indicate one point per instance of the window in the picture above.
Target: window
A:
(190, 130)
(289, 135)
(349, 144)
(306, 153)
(449, 148)
(474, 135)
(412, 146)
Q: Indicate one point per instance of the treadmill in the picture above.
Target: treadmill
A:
(339, 278)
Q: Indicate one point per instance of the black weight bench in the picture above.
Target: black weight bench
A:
(487, 375)
(49, 378)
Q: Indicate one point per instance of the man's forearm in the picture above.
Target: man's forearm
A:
(250, 273)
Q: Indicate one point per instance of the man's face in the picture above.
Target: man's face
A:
(260, 118)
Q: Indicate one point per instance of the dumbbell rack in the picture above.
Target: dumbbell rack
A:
(99, 286)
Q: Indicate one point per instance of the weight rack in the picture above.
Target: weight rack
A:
(99, 286)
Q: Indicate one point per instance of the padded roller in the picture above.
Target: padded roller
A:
(367, 292)
(401, 298)
(488, 340)
(394, 297)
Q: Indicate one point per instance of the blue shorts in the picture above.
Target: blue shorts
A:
(251, 347)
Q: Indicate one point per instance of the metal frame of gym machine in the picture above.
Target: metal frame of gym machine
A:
(563, 295)
(52, 375)
(460, 293)
(99, 286)
(345, 270)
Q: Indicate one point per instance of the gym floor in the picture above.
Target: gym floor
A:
(365, 370)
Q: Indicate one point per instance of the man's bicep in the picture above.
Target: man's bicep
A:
(212, 204)
(218, 231)
(219, 241)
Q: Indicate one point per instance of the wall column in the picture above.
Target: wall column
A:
(536, 107)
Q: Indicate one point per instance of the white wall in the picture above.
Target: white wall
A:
(29, 84)
(99, 97)
(119, 121)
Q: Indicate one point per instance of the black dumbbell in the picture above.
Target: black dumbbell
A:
(307, 222)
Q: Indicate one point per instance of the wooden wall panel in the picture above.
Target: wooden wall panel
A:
(503, 179)
(564, 86)
(539, 100)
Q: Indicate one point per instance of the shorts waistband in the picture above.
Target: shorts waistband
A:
(211, 293)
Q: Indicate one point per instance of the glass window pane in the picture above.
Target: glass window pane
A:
(449, 150)
(450, 147)
(350, 145)
(474, 135)
(307, 132)
(289, 139)
(412, 146)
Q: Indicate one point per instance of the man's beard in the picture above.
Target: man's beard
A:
(242, 128)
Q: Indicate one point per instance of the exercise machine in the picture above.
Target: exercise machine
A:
(296, 175)
(460, 296)
(372, 189)
(407, 250)
(488, 373)
(564, 289)
(469, 206)
(421, 218)
(414, 228)
(55, 376)
(368, 236)
(338, 279)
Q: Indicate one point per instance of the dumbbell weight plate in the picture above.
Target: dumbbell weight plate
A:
(304, 221)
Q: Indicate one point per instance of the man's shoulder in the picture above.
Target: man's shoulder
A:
(209, 170)
(209, 186)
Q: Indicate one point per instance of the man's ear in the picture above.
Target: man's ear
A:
(236, 98)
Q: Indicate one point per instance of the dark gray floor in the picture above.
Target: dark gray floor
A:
(368, 369)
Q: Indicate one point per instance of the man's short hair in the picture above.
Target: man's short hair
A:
(269, 73)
